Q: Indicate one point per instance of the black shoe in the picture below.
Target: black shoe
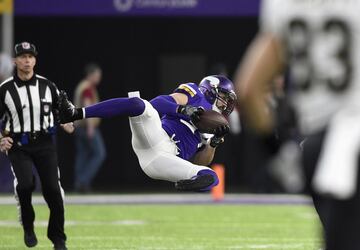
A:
(30, 238)
(67, 111)
(195, 184)
(60, 246)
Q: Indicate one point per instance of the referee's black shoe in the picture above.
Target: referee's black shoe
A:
(30, 238)
(60, 245)
(195, 184)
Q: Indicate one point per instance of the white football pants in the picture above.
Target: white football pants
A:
(156, 151)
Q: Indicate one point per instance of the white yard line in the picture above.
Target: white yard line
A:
(13, 223)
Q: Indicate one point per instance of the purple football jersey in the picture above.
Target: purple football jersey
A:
(179, 127)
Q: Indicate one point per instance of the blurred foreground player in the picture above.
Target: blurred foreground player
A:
(168, 145)
(319, 41)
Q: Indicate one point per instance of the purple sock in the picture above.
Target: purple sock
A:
(116, 107)
(210, 172)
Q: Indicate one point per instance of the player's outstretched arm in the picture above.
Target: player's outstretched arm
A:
(165, 105)
(176, 103)
(263, 61)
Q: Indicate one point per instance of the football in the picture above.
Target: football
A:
(210, 120)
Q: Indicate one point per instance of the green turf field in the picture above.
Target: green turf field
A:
(158, 227)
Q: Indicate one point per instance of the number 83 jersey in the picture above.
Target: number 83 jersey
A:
(321, 43)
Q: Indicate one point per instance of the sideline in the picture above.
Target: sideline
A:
(229, 199)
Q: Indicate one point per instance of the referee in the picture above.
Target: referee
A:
(28, 104)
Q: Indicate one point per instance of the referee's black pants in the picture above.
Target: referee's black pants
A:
(40, 153)
(340, 218)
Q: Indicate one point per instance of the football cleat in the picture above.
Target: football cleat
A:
(197, 183)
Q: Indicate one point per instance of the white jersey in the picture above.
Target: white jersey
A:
(322, 47)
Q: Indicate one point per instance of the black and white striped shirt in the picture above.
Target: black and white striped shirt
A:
(27, 106)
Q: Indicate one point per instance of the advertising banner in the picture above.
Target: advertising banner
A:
(168, 8)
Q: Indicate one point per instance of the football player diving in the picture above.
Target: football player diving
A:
(166, 141)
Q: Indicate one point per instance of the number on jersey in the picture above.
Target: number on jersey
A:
(320, 55)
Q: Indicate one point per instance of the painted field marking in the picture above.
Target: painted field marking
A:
(41, 223)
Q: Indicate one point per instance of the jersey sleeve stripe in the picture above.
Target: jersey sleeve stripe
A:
(188, 89)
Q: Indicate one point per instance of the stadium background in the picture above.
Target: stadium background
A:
(151, 50)
(151, 46)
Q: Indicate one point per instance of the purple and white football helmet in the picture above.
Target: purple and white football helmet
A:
(219, 91)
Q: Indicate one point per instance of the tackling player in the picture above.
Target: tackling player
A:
(319, 41)
(168, 145)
